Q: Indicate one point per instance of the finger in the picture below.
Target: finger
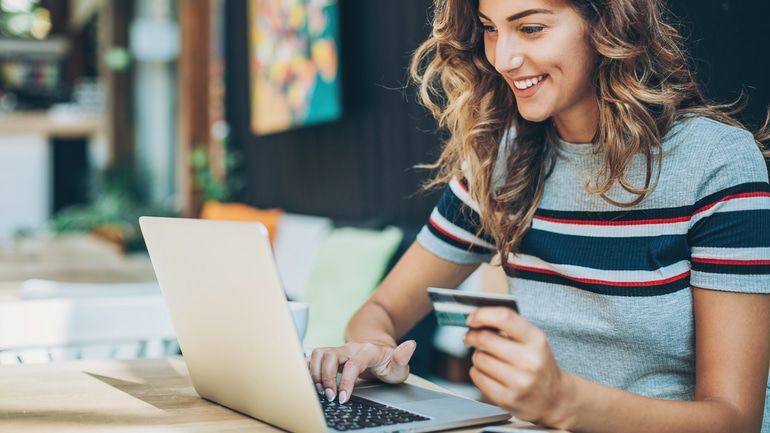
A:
(504, 319)
(315, 368)
(502, 372)
(329, 366)
(495, 391)
(499, 346)
(350, 372)
(397, 368)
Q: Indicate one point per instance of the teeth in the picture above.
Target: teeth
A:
(525, 84)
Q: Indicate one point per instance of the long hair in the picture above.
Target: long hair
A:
(643, 85)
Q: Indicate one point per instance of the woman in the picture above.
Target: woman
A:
(634, 217)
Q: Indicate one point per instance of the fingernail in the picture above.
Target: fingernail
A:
(343, 396)
(319, 388)
(329, 394)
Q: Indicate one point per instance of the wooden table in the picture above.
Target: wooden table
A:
(70, 258)
(150, 395)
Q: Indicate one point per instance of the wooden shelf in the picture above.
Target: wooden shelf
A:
(44, 123)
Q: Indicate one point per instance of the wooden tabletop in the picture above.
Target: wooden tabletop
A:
(150, 395)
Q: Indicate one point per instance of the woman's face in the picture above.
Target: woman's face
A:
(541, 49)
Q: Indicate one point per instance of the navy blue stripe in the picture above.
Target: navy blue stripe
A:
(737, 189)
(626, 215)
(739, 229)
(458, 213)
(602, 289)
(465, 246)
(731, 269)
(613, 254)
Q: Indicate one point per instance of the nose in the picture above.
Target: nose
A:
(507, 57)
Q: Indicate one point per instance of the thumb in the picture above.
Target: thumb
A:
(396, 369)
(403, 353)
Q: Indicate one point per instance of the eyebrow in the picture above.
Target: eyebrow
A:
(521, 14)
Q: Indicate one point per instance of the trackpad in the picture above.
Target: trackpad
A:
(394, 394)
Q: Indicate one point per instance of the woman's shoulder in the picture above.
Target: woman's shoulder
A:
(708, 134)
(710, 140)
(724, 155)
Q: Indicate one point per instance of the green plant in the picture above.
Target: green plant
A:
(114, 212)
(211, 187)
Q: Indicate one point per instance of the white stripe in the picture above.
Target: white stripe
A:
(453, 307)
(641, 230)
(462, 194)
(602, 231)
(458, 232)
(600, 274)
(730, 253)
(733, 205)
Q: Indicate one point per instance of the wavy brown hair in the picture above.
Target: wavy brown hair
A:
(643, 85)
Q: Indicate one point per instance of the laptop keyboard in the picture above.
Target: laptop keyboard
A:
(359, 413)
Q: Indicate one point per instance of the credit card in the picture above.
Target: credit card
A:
(453, 307)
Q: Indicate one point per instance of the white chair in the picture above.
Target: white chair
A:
(297, 242)
(118, 327)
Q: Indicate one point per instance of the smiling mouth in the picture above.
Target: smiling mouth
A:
(530, 82)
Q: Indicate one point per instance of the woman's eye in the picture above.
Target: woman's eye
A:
(488, 29)
(532, 29)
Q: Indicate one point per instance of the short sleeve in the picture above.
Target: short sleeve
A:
(453, 229)
(729, 232)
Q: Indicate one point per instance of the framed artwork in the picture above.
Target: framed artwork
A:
(294, 63)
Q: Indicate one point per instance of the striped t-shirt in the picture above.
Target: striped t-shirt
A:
(610, 286)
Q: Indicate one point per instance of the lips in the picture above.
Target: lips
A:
(527, 87)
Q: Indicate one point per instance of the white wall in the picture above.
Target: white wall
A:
(25, 183)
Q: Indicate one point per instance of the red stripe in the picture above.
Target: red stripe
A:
(733, 196)
(616, 223)
(604, 282)
(730, 262)
(450, 235)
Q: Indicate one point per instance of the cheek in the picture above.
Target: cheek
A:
(580, 75)
(574, 65)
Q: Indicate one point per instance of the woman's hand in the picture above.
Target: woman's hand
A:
(515, 368)
(383, 361)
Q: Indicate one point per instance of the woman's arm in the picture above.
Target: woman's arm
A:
(401, 300)
(732, 358)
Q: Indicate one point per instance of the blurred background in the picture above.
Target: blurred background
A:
(295, 113)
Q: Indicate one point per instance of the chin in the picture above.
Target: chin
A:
(533, 114)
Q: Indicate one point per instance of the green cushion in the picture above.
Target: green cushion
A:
(348, 267)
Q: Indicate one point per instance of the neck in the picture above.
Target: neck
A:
(579, 124)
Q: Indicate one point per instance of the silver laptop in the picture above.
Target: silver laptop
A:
(234, 327)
